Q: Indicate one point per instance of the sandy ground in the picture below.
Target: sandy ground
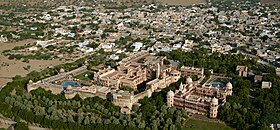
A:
(32, 2)
(11, 45)
(2, 125)
(170, 2)
(182, 2)
(12, 68)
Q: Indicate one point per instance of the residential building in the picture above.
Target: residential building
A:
(266, 85)
(242, 71)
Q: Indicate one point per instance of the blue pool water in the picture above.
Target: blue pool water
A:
(71, 83)
(215, 84)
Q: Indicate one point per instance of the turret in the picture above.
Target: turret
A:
(86, 63)
(229, 88)
(30, 86)
(61, 70)
(181, 88)
(158, 71)
(189, 80)
(170, 98)
(30, 82)
(214, 107)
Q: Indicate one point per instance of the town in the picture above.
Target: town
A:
(72, 32)
(147, 66)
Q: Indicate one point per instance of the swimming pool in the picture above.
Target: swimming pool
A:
(215, 84)
(69, 83)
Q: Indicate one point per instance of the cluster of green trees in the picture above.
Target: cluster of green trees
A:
(24, 32)
(102, 58)
(220, 63)
(54, 111)
(93, 45)
(45, 109)
(123, 41)
(252, 108)
(37, 56)
(42, 108)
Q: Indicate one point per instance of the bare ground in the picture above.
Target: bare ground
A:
(5, 126)
(182, 2)
(67, 2)
(11, 68)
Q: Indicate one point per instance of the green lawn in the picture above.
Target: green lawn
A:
(82, 76)
(192, 124)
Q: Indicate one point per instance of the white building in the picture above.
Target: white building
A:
(266, 84)
(137, 46)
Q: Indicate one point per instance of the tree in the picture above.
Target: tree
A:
(93, 45)
(141, 125)
(169, 121)
(86, 121)
(116, 121)
(80, 119)
(70, 119)
(154, 127)
(21, 126)
(107, 121)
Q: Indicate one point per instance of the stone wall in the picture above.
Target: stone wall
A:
(74, 72)
(137, 97)
(56, 89)
(83, 95)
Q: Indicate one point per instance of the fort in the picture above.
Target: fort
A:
(131, 73)
(138, 69)
(110, 82)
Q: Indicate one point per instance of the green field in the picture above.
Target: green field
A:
(83, 77)
(192, 124)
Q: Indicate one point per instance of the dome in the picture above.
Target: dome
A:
(69, 87)
(170, 93)
(30, 82)
(61, 70)
(189, 80)
(215, 100)
(229, 85)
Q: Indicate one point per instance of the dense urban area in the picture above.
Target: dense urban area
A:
(140, 64)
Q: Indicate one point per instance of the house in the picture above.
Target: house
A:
(257, 78)
(3, 39)
(108, 47)
(266, 84)
(34, 48)
(242, 71)
(275, 126)
(45, 44)
(278, 71)
(137, 46)
(86, 49)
